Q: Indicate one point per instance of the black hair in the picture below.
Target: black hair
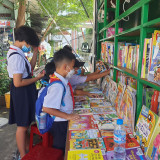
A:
(50, 68)
(27, 34)
(62, 55)
(67, 47)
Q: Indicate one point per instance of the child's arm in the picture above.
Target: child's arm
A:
(84, 93)
(60, 114)
(20, 82)
(97, 75)
(34, 58)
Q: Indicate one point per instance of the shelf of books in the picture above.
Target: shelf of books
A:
(132, 51)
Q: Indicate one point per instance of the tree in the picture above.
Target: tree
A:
(21, 13)
(68, 14)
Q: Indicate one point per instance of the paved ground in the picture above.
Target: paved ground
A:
(7, 138)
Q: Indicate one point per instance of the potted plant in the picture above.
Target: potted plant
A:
(4, 81)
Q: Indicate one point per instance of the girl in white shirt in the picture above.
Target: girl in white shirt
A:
(23, 89)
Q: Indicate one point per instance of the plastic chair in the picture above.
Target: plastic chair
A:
(44, 153)
(47, 139)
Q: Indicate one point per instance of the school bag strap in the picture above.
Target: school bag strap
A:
(39, 105)
(26, 65)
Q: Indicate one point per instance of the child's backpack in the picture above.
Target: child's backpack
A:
(39, 106)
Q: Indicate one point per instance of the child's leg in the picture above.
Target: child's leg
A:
(21, 140)
(59, 132)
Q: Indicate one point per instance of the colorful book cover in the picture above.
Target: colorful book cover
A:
(120, 55)
(86, 111)
(146, 43)
(85, 122)
(77, 107)
(80, 98)
(103, 110)
(95, 105)
(83, 103)
(112, 91)
(111, 115)
(154, 73)
(93, 154)
(106, 124)
(153, 150)
(100, 66)
(149, 93)
(99, 96)
(130, 142)
(109, 143)
(105, 133)
(145, 127)
(126, 111)
(96, 143)
(121, 89)
(78, 134)
(135, 154)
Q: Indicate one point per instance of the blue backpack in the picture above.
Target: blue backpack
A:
(39, 105)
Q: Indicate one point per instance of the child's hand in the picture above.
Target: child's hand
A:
(98, 71)
(92, 95)
(35, 50)
(73, 117)
(107, 72)
(41, 75)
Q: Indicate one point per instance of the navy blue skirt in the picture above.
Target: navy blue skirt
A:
(22, 104)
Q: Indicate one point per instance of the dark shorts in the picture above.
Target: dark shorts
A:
(59, 133)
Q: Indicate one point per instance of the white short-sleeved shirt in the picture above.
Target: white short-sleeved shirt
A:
(76, 80)
(16, 63)
(54, 97)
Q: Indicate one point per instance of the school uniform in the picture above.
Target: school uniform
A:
(22, 102)
(76, 80)
(53, 100)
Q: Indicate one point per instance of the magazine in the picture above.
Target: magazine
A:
(96, 143)
(145, 127)
(86, 111)
(77, 134)
(86, 122)
(95, 154)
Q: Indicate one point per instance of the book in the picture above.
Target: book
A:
(78, 134)
(112, 91)
(83, 103)
(86, 111)
(95, 154)
(153, 150)
(103, 110)
(85, 122)
(126, 111)
(99, 96)
(109, 143)
(131, 154)
(96, 143)
(145, 127)
(121, 89)
(105, 133)
(100, 66)
(96, 105)
(135, 153)
(154, 73)
(77, 107)
(131, 142)
(149, 93)
(80, 98)
(137, 58)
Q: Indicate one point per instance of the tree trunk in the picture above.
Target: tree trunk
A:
(21, 13)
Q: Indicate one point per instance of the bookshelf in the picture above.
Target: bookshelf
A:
(138, 34)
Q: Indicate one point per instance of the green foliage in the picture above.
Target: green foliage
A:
(4, 79)
(68, 14)
(89, 30)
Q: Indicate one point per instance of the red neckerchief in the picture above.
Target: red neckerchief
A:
(55, 78)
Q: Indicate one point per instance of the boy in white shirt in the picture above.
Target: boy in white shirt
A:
(64, 63)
